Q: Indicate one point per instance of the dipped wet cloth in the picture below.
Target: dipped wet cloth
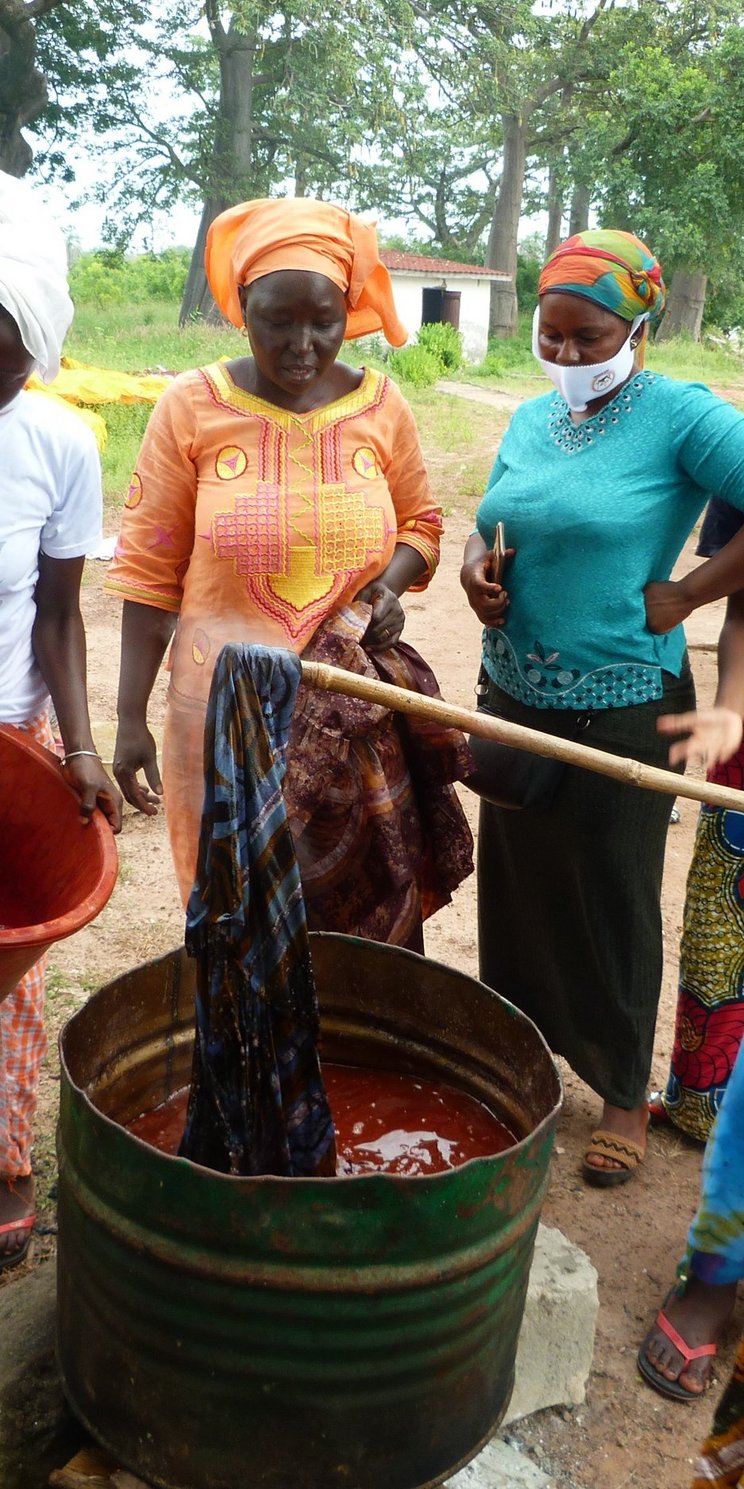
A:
(258, 1104)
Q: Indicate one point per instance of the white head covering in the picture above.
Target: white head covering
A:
(33, 274)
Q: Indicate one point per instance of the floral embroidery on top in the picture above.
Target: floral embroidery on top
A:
(547, 661)
(546, 683)
(573, 437)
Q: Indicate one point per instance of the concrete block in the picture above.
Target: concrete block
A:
(500, 1466)
(37, 1429)
(556, 1344)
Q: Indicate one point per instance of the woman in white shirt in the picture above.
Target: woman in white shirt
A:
(50, 514)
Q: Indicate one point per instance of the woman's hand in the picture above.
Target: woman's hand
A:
(135, 750)
(667, 605)
(488, 599)
(388, 616)
(87, 776)
(713, 735)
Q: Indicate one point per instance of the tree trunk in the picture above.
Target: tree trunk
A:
(581, 201)
(300, 178)
(230, 167)
(685, 305)
(555, 211)
(197, 302)
(502, 241)
(23, 90)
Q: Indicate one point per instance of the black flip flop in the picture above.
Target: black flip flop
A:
(672, 1388)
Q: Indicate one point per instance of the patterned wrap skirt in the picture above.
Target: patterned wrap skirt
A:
(710, 1002)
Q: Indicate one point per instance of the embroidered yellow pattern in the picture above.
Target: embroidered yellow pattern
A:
(134, 494)
(230, 463)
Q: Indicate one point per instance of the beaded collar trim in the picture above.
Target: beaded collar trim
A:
(573, 437)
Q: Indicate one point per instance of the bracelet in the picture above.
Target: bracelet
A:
(72, 753)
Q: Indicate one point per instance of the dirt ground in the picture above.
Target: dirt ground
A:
(624, 1434)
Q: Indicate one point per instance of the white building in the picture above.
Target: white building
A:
(441, 290)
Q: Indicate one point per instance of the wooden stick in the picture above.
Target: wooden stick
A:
(650, 777)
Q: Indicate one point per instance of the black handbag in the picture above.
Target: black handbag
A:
(508, 777)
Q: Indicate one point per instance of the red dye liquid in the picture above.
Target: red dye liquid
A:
(385, 1123)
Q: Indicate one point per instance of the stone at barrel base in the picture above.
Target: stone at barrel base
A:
(556, 1343)
(500, 1466)
(37, 1429)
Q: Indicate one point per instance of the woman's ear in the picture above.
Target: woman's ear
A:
(242, 293)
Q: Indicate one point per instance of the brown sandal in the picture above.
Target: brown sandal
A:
(622, 1149)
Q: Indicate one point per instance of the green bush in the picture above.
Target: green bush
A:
(106, 278)
(724, 307)
(444, 343)
(415, 365)
(367, 351)
(95, 282)
(528, 274)
(159, 276)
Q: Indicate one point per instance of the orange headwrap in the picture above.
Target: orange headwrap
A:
(259, 237)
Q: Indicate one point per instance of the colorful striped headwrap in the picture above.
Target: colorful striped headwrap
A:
(613, 268)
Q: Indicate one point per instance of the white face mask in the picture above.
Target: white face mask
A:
(579, 385)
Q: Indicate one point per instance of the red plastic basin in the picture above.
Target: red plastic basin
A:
(56, 873)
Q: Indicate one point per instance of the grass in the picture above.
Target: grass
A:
(139, 338)
(459, 441)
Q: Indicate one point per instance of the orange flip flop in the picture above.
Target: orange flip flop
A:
(14, 1227)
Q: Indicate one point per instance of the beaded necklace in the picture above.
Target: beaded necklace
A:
(573, 437)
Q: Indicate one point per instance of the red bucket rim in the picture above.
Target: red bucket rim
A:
(86, 909)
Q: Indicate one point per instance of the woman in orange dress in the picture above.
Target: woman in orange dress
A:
(274, 496)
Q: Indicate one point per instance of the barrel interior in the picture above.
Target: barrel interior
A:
(130, 1048)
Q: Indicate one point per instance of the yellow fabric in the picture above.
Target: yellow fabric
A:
(266, 235)
(93, 420)
(79, 384)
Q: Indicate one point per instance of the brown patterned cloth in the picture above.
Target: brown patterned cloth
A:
(380, 836)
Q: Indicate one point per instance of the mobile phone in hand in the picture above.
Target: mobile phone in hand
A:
(497, 555)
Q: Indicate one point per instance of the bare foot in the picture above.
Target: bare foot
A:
(698, 1317)
(624, 1124)
(17, 1201)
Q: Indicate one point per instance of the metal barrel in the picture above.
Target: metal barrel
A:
(265, 1333)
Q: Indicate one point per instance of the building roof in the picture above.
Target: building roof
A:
(418, 263)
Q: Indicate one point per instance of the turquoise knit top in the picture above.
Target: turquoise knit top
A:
(596, 511)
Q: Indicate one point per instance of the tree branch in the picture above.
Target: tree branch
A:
(34, 8)
(214, 21)
(167, 149)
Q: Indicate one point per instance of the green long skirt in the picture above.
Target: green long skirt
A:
(569, 916)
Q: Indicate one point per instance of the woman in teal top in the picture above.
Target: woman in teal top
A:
(598, 485)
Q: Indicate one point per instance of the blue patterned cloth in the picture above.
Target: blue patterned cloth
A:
(258, 1104)
(715, 1243)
